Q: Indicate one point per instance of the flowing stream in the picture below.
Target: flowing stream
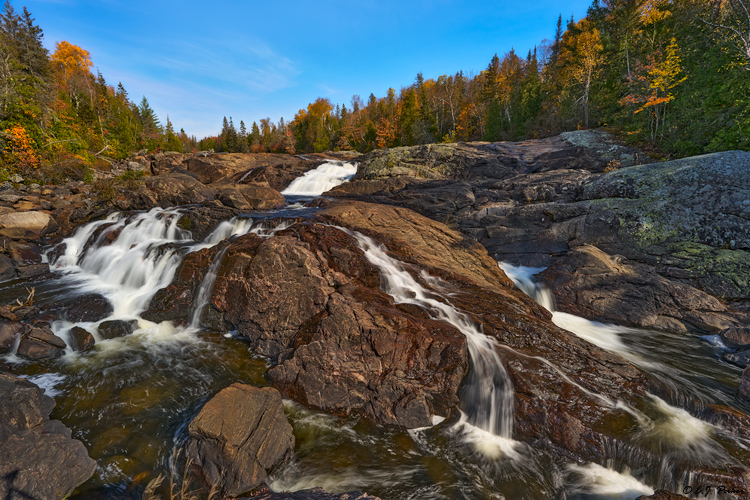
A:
(130, 399)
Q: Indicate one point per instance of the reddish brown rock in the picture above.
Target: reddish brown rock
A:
(10, 332)
(80, 339)
(41, 344)
(341, 345)
(239, 437)
(736, 337)
(91, 307)
(247, 196)
(179, 189)
(117, 328)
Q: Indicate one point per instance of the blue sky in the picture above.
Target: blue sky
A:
(200, 61)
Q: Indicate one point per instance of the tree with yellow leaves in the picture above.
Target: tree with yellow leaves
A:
(653, 89)
(581, 56)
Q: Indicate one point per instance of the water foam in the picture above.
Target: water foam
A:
(606, 483)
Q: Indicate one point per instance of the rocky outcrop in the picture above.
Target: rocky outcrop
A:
(179, 189)
(239, 437)
(533, 202)
(310, 300)
(590, 283)
(26, 224)
(38, 458)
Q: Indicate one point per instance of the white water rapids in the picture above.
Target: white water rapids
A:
(672, 430)
(127, 259)
(324, 178)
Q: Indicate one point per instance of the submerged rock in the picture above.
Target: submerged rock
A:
(38, 458)
(92, 307)
(239, 437)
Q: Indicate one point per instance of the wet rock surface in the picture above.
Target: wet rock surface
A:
(344, 344)
(533, 202)
(590, 283)
(310, 494)
(38, 458)
(239, 437)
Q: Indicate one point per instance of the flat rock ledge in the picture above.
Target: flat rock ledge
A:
(239, 437)
(38, 458)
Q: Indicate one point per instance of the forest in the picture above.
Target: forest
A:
(670, 74)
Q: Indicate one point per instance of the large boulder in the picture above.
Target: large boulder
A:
(248, 196)
(91, 307)
(26, 224)
(41, 344)
(179, 189)
(311, 301)
(239, 437)
(38, 458)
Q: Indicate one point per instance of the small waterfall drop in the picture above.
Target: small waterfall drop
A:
(488, 388)
(324, 178)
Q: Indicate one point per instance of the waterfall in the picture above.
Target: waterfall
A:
(487, 393)
(324, 178)
(124, 258)
(128, 258)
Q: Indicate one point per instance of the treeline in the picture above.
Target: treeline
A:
(57, 117)
(673, 73)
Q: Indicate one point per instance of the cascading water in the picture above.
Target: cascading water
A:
(125, 259)
(130, 399)
(488, 393)
(670, 430)
(324, 178)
